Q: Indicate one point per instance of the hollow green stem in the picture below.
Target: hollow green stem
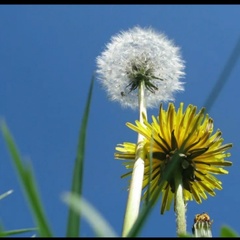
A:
(179, 205)
(135, 189)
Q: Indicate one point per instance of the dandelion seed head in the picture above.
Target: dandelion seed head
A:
(140, 53)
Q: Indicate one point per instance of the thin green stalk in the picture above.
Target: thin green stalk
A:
(180, 209)
(135, 189)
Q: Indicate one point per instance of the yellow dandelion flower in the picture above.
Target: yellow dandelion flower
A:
(188, 134)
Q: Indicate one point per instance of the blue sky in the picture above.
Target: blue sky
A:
(47, 58)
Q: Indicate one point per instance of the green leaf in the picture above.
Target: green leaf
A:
(28, 184)
(92, 216)
(73, 224)
(226, 231)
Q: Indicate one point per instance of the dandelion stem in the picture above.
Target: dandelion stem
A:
(135, 189)
(180, 209)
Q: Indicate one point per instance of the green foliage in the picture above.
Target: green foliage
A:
(227, 232)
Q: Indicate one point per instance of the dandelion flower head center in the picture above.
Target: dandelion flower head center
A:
(185, 162)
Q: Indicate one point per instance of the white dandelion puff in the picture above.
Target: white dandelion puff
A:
(140, 54)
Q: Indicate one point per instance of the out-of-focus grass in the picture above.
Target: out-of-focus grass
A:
(26, 177)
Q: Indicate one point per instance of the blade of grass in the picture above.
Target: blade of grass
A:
(73, 224)
(93, 217)
(5, 194)
(16, 231)
(223, 77)
(28, 184)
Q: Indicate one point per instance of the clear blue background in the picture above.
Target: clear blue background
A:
(47, 58)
